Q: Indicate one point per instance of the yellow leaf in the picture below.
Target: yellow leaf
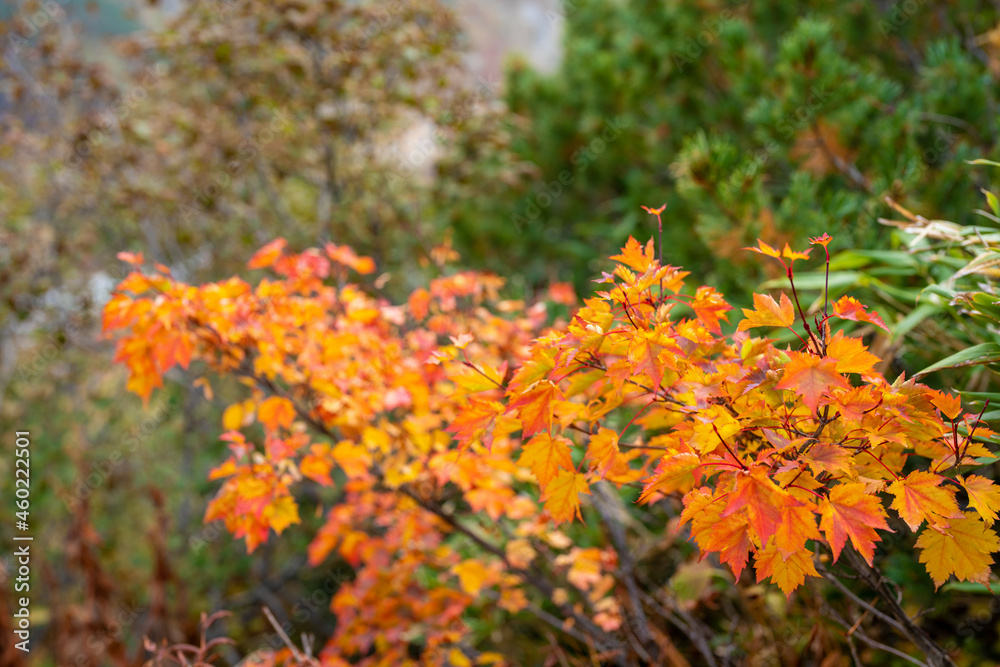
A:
(276, 411)
(458, 659)
(562, 495)
(546, 456)
(472, 576)
(984, 496)
(787, 574)
(603, 451)
(962, 548)
(282, 513)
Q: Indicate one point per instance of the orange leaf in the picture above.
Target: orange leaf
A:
(267, 255)
(765, 249)
(476, 421)
(950, 406)
(546, 456)
(810, 377)
(562, 495)
(534, 408)
(919, 496)
(851, 354)
(788, 573)
(276, 411)
(676, 472)
(763, 500)
(849, 512)
(635, 256)
(602, 451)
(849, 308)
(767, 313)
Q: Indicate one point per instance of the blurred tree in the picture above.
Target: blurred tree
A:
(746, 119)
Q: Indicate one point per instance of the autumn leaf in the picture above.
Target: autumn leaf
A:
(767, 313)
(276, 411)
(919, 496)
(825, 457)
(762, 500)
(472, 576)
(476, 422)
(963, 547)
(281, 513)
(810, 377)
(849, 308)
(602, 451)
(984, 496)
(546, 456)
(534, 407)
(675, 472)
(796, 526)
(635, 256)
(950, 406)
(850, 354)
(267, 255)
(765, 249)
(849, 512)
(788, 573)
(562, 495)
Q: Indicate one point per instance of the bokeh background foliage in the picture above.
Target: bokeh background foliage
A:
(197, 132)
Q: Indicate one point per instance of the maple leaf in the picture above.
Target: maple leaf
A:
(562, 495)
(824, 457)
(534, 407)
(950, 406)
(963, 547)
(810, 377)
(276, 411)
(475, 421)
(849, 308)
(546, 456)
(793, 255)
(635, 256)
(919, 496)
(730, 537)
(788, 573)
(267, 255)
(763, 501)
(984, 496)
(675, 472)
(281, 513)
(602, 451)
(709, 306)
(796, 526)
(767, 313)
(850, 354)
(765, 249)
(821, 240)
(472, 576)
(849, 512)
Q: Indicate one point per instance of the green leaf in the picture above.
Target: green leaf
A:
(983, 161)
(916, 316)
(993, 201)
(976, 355)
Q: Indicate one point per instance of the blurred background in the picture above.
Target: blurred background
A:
(527, 134)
